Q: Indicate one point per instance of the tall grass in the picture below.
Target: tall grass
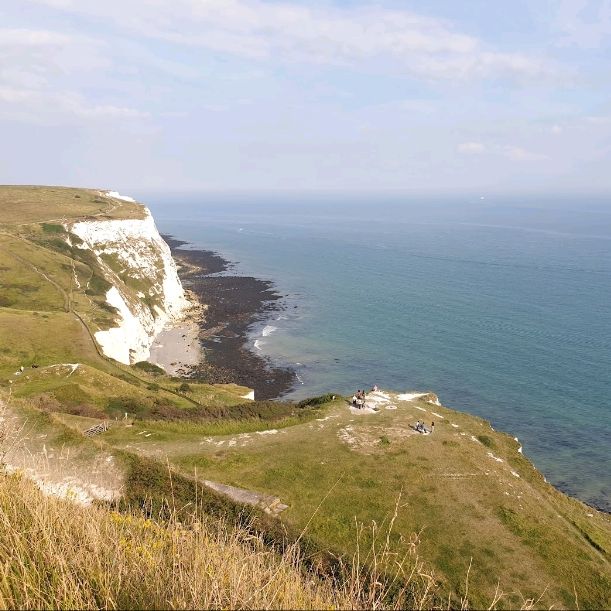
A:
(55, 554)
(221, 427)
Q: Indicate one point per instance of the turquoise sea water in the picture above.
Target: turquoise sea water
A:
(500, 306)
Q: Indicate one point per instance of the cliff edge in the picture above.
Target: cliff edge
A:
(145, 289)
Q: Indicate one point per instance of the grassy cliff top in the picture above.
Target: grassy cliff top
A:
(37, 204)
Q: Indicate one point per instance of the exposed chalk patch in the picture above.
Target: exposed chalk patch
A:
(410, 396)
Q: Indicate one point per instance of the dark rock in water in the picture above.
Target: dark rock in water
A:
(234, 304)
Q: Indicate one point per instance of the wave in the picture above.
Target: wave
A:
(258, 344)
(268, 330)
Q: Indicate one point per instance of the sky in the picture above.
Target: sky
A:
(333, 95)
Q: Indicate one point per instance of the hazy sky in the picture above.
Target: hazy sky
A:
(485, 95)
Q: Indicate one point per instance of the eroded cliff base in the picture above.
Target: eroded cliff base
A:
(233, 304)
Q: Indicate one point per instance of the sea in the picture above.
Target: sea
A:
(501, 305)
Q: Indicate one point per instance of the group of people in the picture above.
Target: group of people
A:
(422, 429)
(358, 399)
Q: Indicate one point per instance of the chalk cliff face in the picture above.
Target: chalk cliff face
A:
(146, 291)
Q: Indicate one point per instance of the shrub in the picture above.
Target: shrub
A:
(60, 246)
(485, 440)
(52, 228)
(184, 387)
(98, 286)
(126, 404)
(149, 368)
(314, 401)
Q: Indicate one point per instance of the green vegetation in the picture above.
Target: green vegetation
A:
(470, 506)
(149, 368)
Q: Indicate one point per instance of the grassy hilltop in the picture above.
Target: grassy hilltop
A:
(487, 526)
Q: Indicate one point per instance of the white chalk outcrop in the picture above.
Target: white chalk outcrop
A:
(117, 195)
(146, 290)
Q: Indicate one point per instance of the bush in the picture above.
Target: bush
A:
(314, 401)
(126, 404)
(485, 440)
(184, 387)
(149, 368)
(59, 245)
(52, 228)
(98, 286)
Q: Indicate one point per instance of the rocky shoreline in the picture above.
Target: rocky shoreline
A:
(231, 305)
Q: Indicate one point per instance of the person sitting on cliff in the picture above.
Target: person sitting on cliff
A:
(421, 428)
(354, 399)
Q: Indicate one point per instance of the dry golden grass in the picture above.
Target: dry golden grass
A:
(55, 554)
(21, 204)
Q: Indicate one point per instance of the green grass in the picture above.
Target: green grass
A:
(109, 392)
(182, 431)
(467, 507)
(53, 301)
(25, 340)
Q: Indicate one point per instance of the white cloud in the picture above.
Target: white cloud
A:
(471, 148)
(21, 37)
(398, 39)
(599, 120)
(14, 96)
(583, 23)
(33, 58)
(517, 153)
(42, 106)
(40, 71)
(80, 108)
(556, 129)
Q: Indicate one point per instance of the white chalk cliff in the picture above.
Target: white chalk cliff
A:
(146, 291)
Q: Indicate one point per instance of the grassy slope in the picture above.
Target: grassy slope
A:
(51, 303)
(34, 204)
(93, 558)
(465, 505)
(462, 502)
